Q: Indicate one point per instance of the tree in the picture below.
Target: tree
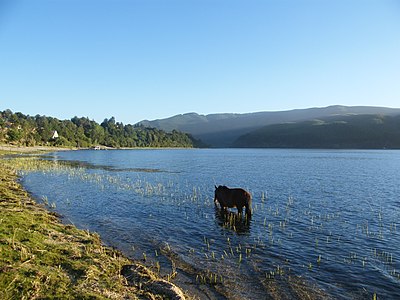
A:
(82, 132)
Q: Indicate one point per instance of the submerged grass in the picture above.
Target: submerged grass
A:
(41, 258)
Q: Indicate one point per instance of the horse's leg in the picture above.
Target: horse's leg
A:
(240, 210)
(221, 206)
(248, 209)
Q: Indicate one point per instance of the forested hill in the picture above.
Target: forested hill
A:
(221, 130)
(20, 129)
(344, 132)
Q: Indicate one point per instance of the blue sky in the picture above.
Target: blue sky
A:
(148, 59)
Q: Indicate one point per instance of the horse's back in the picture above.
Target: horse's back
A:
(241, 194)
(240, 191)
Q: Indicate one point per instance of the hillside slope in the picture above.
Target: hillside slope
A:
(344, 132)
(221, 130)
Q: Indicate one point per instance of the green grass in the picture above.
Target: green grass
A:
(41, 258)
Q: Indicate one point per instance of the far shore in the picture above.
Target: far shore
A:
(26, 149)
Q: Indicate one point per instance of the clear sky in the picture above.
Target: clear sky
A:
(148, 59)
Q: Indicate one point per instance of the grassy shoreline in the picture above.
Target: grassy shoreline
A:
(42, 258)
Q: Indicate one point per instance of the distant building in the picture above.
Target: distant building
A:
(54, 134)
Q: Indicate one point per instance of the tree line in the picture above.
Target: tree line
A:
(19, 129)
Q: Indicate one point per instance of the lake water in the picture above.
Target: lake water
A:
(329, 218)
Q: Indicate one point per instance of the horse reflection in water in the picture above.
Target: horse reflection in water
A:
(228, 198)
(233, 221)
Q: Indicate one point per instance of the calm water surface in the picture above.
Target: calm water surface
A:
(329, 216)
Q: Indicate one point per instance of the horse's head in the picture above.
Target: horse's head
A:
(219, 190)
(215, 193)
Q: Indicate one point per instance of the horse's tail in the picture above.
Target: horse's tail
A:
(248, 204)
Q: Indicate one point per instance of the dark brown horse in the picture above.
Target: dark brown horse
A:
(237, 197)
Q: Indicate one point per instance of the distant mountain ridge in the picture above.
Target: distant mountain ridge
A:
(222, 130)
(337, 132)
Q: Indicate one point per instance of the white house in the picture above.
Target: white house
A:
(54, 134)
